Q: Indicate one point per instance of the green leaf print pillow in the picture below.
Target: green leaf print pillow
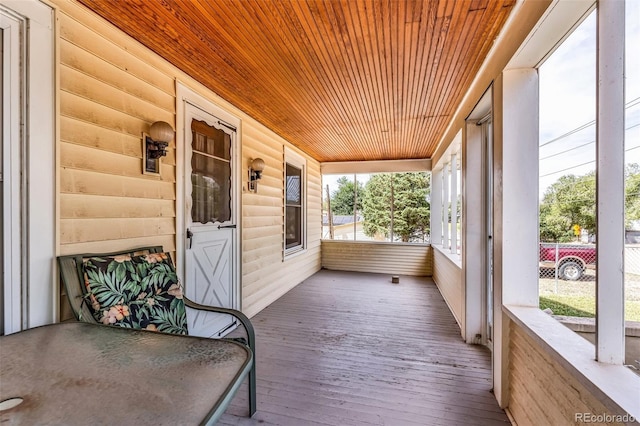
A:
(140, 292)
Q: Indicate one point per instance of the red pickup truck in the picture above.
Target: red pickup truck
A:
(571, 259)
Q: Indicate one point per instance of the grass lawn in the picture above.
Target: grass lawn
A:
(578, 298)
(583, 306)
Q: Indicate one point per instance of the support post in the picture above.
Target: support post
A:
(436, 207)
(445, 206)
(454, 203)
(610, 183)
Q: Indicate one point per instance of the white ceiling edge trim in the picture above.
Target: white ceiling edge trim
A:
(454, 148)
(558, 22)
(380, 166)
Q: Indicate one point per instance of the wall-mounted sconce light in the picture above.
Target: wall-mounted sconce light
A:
(256, 167)
(154, 146)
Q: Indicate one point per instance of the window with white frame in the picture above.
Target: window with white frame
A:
(295, 203)
(517, 216)
(522, 97)
(567, 175)
(388, 207)
(447, 202)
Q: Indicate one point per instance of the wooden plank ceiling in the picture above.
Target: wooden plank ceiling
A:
(342, 80)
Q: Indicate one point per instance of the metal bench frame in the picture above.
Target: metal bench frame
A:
(72, 276)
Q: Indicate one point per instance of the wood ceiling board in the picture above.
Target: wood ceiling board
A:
(344, 80)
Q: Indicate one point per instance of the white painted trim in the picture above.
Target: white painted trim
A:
(185, 95)
(520, 134)
(454, 203)
(385, 166)
(473, 227)
(455, 147)
(558, 22)
(610, 183)
(452, 257)
(388, 243)
(445, 205)
(13, 142)
(436, 207)
(500, 335)
(40, 289)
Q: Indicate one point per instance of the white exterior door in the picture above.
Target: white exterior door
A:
(210, 219)
(28, 283)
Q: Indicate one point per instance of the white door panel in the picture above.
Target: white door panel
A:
(210, 264)
(210, 213)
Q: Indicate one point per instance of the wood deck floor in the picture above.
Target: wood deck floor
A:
(346, 348)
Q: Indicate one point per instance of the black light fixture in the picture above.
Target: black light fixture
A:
(155, 145)
(256, 167)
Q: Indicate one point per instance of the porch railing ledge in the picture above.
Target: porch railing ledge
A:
(388, 243)
(616, 386)
(456, 259)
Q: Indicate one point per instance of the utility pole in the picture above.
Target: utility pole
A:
(329, 214)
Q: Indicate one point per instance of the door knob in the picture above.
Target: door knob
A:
(189, 237)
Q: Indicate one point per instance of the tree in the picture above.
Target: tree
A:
(568, 201)
(571, 200)
(411, 210)
(343, 198)
(632, 194)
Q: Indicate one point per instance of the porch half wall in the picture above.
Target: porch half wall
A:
(110, 90)
(378, 257)
(447, 275)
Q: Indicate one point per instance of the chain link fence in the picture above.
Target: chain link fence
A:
(568, 262)
(577, 262)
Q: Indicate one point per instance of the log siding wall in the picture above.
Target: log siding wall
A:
(383, 258)
(111, 89)
(266, 275)
(540, 390)
(448, 277)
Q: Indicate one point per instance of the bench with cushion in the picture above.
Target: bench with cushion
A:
(139, 289)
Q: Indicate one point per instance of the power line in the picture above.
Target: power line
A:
(585, 144)
(567, 150)
(629, 104)
(569, 133)
(582, 164)
(575, 200)
(568, 168)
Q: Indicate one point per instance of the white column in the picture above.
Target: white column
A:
(520, 250)
(445, 206)
(454, 203)
(515, 209)
(436, 207)
(473, 225)
(610, 183)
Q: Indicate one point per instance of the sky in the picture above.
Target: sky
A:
(568, 101)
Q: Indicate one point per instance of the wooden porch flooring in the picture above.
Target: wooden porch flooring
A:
(348, 348)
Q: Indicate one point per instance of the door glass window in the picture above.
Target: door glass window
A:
(210, 174)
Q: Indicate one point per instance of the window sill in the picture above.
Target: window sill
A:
(456, 259)
(388, 243)
(292, 254)
(615, 386)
